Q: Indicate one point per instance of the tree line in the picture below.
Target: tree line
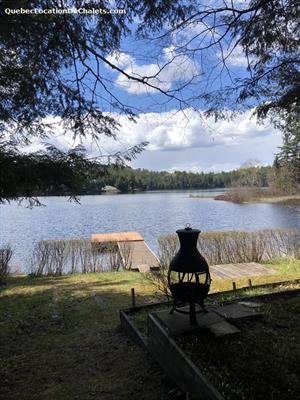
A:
(127, 179)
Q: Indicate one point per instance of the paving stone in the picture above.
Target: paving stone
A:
(251, 304)
(178, 323)
(222, 328)
(100, 301)
(236, 311)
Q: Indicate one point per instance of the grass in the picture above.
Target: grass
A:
(200, 196)
(60, 337)
(285, 265)
(58, 340)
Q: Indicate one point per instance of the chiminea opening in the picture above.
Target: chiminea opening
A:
(188, 277)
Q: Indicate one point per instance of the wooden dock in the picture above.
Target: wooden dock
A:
(132, 247)
(240, 270)
(142, 257)
(137, 256)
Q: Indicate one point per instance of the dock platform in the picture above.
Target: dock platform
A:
(132, 247)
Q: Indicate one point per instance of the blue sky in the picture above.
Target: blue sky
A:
(185, 139)
(179, 134)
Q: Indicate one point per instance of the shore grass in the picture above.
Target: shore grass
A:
(249, 195)
(288, 199)
(200, 196)
(60, 337)
(276, 199)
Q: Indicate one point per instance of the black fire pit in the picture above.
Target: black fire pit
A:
(188, 278)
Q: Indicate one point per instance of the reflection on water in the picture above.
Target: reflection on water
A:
(151, 213)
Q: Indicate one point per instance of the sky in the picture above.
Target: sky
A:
(185, 141)
(180, 136)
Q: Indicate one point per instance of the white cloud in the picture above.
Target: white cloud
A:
(171, 131)
(120, 59)
(163, 75)
(235, 57)
(168, 131)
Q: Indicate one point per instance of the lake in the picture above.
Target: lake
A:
(151, 213)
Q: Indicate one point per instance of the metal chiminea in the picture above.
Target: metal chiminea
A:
(188, 277)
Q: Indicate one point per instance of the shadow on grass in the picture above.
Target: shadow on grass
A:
(58, 342)
(102, 279)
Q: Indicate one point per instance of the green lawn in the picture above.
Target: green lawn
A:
(58, 340)
(285, 265)
(60, 337)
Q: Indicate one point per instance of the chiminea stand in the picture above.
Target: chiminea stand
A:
(191, 284)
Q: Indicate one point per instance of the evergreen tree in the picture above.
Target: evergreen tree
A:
(287, 161)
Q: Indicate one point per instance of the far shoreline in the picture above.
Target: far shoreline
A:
(250, 196)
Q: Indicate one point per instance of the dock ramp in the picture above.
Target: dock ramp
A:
(134, 252)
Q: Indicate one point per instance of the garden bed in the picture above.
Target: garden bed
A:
(261, 362)
(257, 363)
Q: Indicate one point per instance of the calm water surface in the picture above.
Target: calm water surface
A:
(151, 213)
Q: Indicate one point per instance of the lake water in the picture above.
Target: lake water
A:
(151, 213)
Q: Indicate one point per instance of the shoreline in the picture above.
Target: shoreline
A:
(251, 200)
(263, 199)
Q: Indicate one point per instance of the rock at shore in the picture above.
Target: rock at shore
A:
(110, 189)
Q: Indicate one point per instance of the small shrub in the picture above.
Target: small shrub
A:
(56, 257)
(5, 257)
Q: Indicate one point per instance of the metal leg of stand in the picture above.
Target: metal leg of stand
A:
(193, 319)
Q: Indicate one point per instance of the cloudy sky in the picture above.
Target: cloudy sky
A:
(178, 140)
(200, 145)
(186, 141)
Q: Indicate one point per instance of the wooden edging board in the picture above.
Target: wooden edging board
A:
(130, 328)
(132, 310)
(177, 365)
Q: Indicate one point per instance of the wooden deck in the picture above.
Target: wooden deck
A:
(132, 245)
(116, 237)
(242, 270)
(142, 258)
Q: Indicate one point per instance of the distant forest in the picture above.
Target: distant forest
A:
(130, 180)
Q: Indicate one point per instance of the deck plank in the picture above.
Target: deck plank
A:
(240, 270)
